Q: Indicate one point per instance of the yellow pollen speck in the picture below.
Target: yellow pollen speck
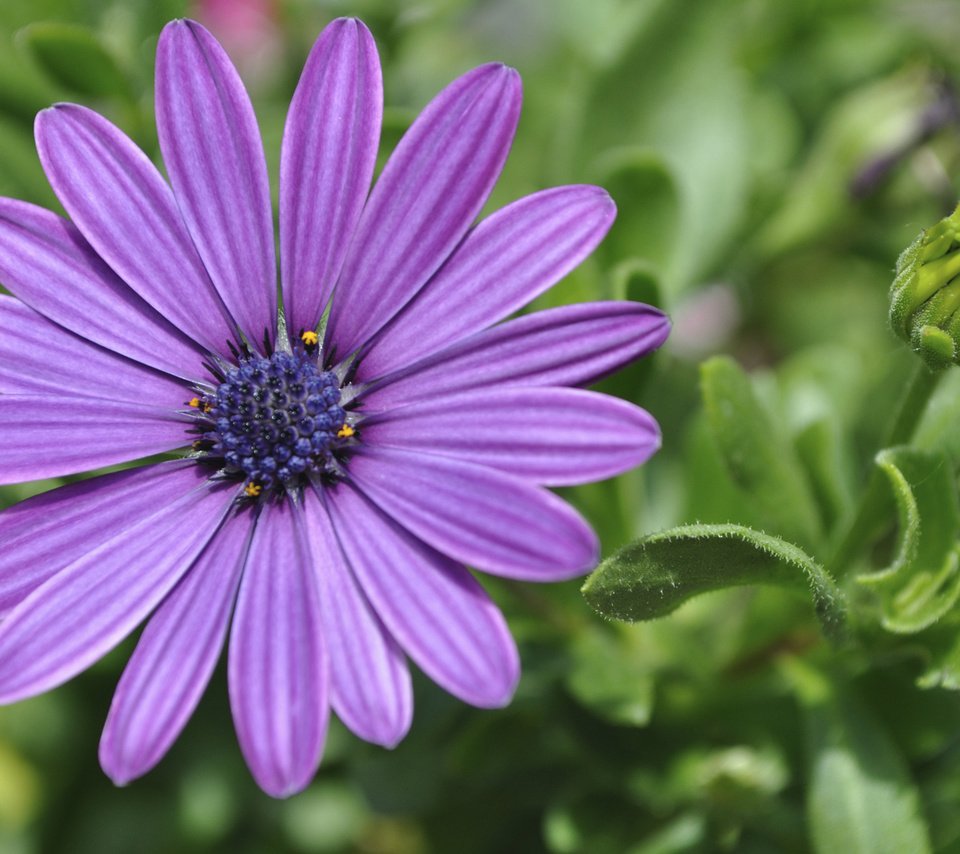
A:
(309, 338)
(345, 432)
(194, 402)
(207, 407)
(252, 490)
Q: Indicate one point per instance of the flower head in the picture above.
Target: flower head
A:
(338, 477)
(925, 295)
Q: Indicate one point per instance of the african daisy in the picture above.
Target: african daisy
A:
(341, 459)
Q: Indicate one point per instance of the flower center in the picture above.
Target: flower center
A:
(273, 421)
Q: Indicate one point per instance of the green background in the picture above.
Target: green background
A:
(769, 160)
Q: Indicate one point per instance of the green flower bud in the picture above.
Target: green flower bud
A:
(925, 296)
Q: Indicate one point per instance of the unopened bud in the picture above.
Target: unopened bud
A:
(925, 296)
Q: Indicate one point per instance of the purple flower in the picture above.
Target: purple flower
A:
(341, 474)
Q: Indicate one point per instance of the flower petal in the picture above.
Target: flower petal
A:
(505, 262)
(553, 436)
(369, 679)
(214, 156)
(477, 515)
(326, 165)
(46, 263)
(39, 357)
(52, 435)
(277, 665)
(572, 345)
(124, 208)
(50, 531)
(433, 186)
(91, 605)
(175, 656)
(436, 610)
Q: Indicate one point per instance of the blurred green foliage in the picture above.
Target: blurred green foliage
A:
(769, 160)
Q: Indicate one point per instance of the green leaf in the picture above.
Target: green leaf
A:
(818, 447)
(329, 817)
(603, 28)
(758, 458)
(683, 835)
(75, 58)
(871, 121)
(861, 799)
(923, 581)
(733, 780)
(709, 491)
(648, 206)
(24, 90)
(678, 89)
(637, 280)
(611, 677)
(21, 175)
(937, 430)
(658, 573)
(942, 645)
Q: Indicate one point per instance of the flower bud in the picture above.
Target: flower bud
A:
(925, 296)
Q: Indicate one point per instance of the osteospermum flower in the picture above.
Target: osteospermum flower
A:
(338, 476)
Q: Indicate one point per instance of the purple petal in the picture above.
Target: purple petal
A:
(505, 262)
(369, 678)
(171, 666)
(277, 666)
(46, 262)
(568, 346)
(45, 533)
(435, 609)
(214, 157)
(430, 191)
(39, 357)
(91, 605)
(553, 436)
(326, 164)
(124, 208)
(52, 435)
(478, 515)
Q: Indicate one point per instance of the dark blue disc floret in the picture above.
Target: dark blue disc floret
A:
(273, 421)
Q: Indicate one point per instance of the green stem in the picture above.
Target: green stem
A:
(871, 513)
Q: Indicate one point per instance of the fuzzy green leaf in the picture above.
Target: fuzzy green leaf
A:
(755, 453)
(656, 574)
(923, 581)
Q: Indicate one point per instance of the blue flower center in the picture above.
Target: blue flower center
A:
(273, 421)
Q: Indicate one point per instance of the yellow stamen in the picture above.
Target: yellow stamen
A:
(194, 402)
(345, 432)
(252, 490)
(309, 338)
(207, 407)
